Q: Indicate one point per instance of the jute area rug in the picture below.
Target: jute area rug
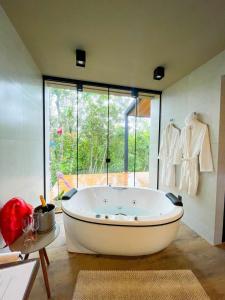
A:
(138, 285)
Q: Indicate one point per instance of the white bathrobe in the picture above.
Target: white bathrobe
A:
(168, 154)
(195, 153)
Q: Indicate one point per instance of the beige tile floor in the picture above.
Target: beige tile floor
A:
(189, 251)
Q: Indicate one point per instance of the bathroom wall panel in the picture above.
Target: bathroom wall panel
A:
(221, 169)
(200, 91)
(21, 120)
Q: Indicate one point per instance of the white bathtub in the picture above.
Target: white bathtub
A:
(120, 221)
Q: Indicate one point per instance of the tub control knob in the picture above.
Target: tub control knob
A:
(136, 218)
(98, 216)
(106, 217)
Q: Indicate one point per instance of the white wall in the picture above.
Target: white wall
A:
(200, 91)
(221, 168)
(21, 131)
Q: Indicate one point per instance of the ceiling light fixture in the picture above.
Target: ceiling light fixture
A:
(80, 58)
(159, 73)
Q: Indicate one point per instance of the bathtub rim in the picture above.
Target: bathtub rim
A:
(173, 216)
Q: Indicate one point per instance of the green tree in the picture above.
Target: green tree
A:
(92, 133)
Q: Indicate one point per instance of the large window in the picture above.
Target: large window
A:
(96, 136)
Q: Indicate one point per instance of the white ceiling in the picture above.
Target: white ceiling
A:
(124, 39)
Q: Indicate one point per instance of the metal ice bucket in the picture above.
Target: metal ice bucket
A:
(46, 220)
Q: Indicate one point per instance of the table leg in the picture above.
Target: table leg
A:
(46, 256)
(26, 256)
(45, 274)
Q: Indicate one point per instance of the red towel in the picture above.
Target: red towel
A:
(11, 216)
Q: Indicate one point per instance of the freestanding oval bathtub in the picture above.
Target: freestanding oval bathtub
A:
(120, 221)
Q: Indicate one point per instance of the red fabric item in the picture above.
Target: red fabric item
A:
(59, 131)
(11, 216)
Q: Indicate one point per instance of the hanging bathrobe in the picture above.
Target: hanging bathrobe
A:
(195, 153)
(168, 154)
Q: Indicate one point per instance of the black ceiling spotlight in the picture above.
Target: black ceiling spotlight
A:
(80, 58)
(159, 73)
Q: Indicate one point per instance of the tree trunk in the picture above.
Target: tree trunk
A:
(103, 160)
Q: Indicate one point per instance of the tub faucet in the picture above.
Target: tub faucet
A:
(118, 187)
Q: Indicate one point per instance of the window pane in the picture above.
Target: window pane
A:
(142, 142)
(92, 137)
(62, 140)
(121, 139)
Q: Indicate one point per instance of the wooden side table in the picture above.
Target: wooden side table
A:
(42, 241)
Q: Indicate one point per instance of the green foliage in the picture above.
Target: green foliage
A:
(92, 132)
